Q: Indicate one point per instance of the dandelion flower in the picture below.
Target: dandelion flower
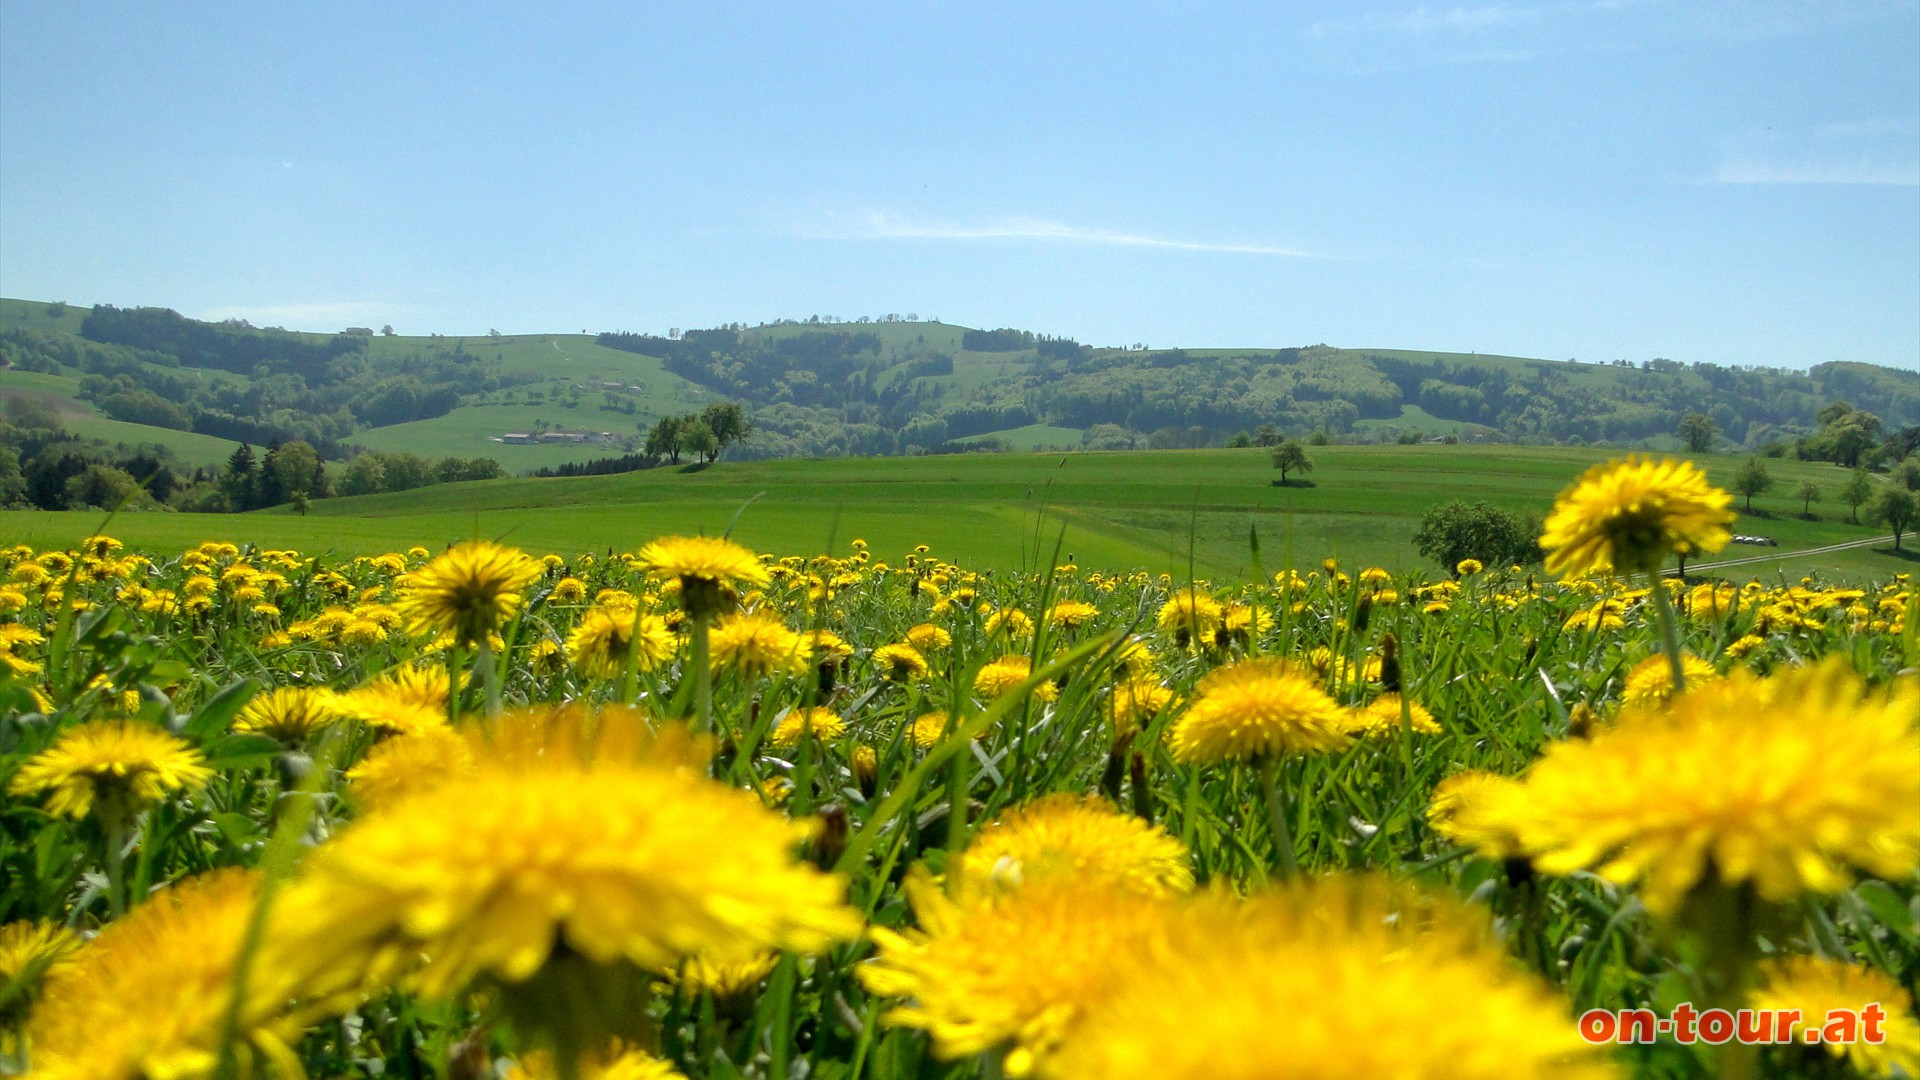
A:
(1785, 783)
(148, 997)
(1628, 516)
(581, 854)
(1650, 682)
(1000, 677)
(1818, 986)
(1010, 622)
(1134, 701)
(1382, 717)
(1017, 968)
(119, 767)
(29, 953)
(929, 638)
(1257, 708)
(1190, 613)
(469, 592)
(929, 729)
(1340, 977)
(1467, 808)
(707, 568)
(618, 1063)
(1071, 614)
(798, 723)
(407, 765)
(900, 662)
(600, 645)
(1080, 837)
(753, 644)
(291, 714)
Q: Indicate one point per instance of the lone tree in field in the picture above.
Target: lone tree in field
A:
(1859, 489)
(1752, 479)
(1896, 508)
(1290, 456)
(1698, 431)
(1808, 494)
(1454, 531)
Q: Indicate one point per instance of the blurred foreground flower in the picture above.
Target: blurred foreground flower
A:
(469, 592)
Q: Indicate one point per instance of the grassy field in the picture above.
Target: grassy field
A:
(1164, 510)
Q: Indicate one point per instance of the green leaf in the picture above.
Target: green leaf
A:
(217, 714)
(1887, 906)
(240, 751)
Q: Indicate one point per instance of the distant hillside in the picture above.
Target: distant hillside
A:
(868, 388)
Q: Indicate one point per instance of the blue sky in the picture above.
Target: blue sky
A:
(1732, 182)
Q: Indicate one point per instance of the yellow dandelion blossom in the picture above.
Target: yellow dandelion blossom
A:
(1628, 516)
(928, 638)
(1015, 969)
(1650, 682)
(1081, 837)
(1818, 987)
(120, 766)
(1367, 978)
(600, 645)
(825, 646)
(929, 729)
(291, 714)
(737, 979)
(581, 854)
(1744, 645)
(706, 568)
(408, 701)
(30, 952)
(1382, 717)
(1134, 701)
(469, 592)
(569, 590)
(1071, 614)
(1783, 782)
(1008, 622)
(1000, 677)
(1468, 567)
(753, 644)
(407, 765)
(1190, 613)
(1257, 708)
(798, 723)
(148, 997)
(1468, 809)
(900, 662)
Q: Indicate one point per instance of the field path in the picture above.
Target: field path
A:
(1752, 559)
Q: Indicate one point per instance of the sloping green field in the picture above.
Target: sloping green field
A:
(1163, 510)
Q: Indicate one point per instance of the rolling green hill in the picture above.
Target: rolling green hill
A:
(1163, 510)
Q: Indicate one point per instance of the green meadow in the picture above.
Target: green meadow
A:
(1176, 511)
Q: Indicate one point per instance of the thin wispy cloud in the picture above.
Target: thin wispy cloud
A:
(1867, 152)
(1424, 20)
(887, 226)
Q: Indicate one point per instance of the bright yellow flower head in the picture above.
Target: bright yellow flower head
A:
(1136, 700)
(600, 644)
(1068, 614)
(708, 559)
(1013, 968)
(1190, 612)
(999, 677)
(1783, 782)
(929, 638)
(799, 722)
(120, 765)
(1342, 977)
(1817, 986)
(1257, 708)
(148, 997)
(1081, 837)
(900, 662)
(930, 728)
(408, 701)
(1651, 680)
(1628, 516)
(1012, 622)
(407, 765)
(580, 854)
(470, 591)
(755, 643)
(292, 714)
(1382, 718)
(617, 1064)
(1468, 808)
(30, 952)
